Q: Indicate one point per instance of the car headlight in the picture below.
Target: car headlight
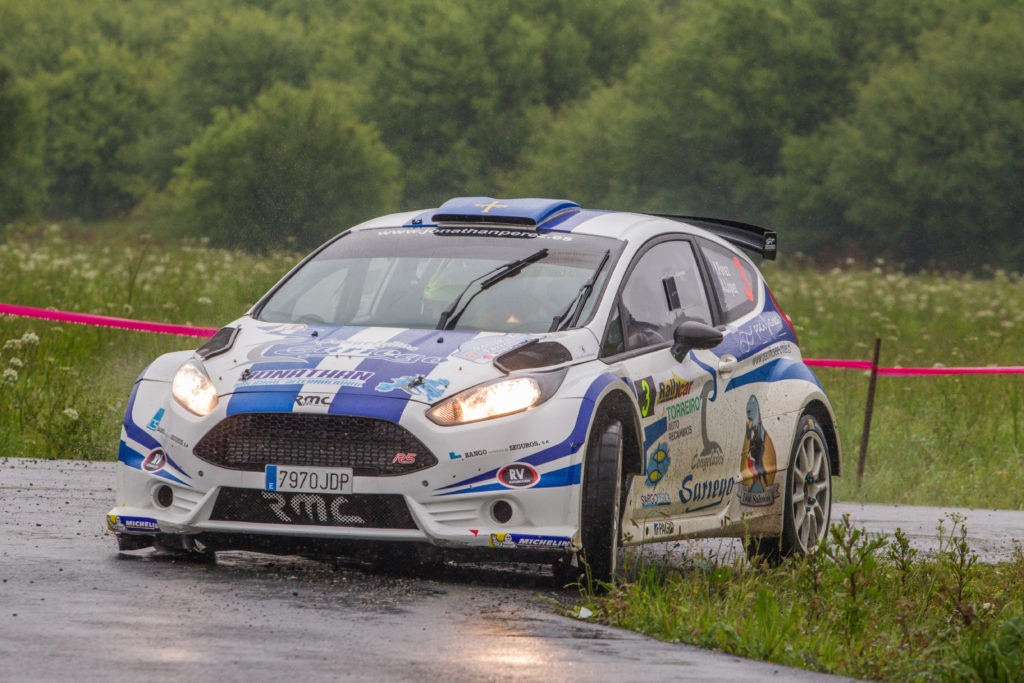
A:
(496, 399)
(193, 389)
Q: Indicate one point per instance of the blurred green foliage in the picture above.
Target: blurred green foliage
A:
(21, 187)
(295, 163)
(855, 127)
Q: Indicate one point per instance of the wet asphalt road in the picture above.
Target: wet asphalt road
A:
(73, 608)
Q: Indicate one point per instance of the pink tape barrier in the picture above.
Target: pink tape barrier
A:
(189, 331)
(106, 321)
(907, 372)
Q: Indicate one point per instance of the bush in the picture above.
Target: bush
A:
(296, 164)
(21, 185)
(97, 105)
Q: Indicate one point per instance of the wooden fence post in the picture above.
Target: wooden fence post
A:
(868, 410)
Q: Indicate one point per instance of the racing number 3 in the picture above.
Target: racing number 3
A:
(646, 395)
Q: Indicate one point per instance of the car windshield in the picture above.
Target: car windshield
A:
(502, 280)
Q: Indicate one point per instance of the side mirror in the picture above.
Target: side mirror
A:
(694, 335)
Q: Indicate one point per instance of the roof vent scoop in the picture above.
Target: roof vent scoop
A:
(521, 212)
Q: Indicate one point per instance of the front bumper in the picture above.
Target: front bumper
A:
(458, 503)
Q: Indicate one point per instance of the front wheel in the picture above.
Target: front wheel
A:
(808, 504)
(602, 495)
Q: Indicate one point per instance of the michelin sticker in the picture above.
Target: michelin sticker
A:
(144, 524)
(507, 540)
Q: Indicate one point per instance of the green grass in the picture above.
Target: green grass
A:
(65, 386)
(861, 606)
(934, 440)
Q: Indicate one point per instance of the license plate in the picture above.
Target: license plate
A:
(309, 479)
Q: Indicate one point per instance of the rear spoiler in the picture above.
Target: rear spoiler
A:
(757, 239)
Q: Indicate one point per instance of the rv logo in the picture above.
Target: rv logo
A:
(518, 475)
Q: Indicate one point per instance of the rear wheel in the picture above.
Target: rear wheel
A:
(602, 499)
(808, 503)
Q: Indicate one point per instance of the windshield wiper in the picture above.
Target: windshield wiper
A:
(576, 305)
(449, 318)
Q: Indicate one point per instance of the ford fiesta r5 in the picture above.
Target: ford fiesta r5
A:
(517, 379)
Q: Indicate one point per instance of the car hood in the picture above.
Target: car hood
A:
(319, 361)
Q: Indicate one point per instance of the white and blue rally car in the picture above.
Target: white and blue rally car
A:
(518, 379)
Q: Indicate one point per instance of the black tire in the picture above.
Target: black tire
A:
(602, 499)
(808, 501)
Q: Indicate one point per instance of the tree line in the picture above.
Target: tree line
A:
(862, 128)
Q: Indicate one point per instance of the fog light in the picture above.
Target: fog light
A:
(164, 496)
(501, 511)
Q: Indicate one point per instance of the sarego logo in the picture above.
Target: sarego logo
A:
(518, 475)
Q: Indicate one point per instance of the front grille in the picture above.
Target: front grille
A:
(371, 511)
(371, 447)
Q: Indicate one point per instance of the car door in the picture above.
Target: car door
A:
(664, 288)
(749, 341)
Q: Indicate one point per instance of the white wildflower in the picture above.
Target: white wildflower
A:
(29, 339)
(12, 344)
(71, 413)
(16, 362)
(10, 376)
(204, 300)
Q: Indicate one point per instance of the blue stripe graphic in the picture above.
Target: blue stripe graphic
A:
(774, 371)
(571, 221)
(754, 336)
(132, 458)
(711, 371)
(168, 475)
(428, 343)
(135, 432)
(129, 456)
(281, 397)
(567, 476)
(653, 432)
(560, 450)
(177, 467)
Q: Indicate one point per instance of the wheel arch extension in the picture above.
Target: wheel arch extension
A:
(620, 405)
(823, 415)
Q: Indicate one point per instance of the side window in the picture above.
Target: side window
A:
(733, 279)
(613, 342)
(664, 290)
